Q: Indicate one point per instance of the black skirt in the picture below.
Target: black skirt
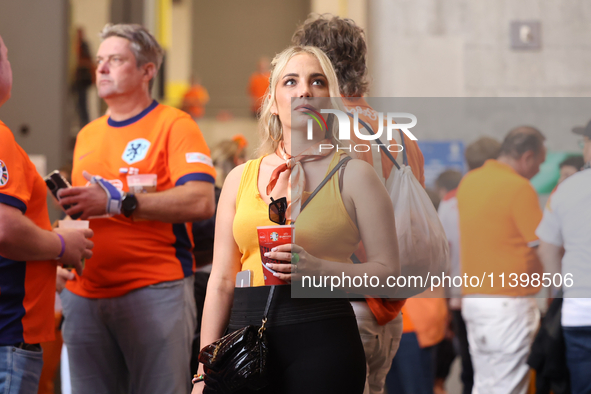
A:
(314, 344)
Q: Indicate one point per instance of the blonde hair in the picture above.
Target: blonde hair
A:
(144, 46)
(270, 128)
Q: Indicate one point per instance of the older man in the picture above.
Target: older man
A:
(499, 212)
(567, 224)
(28, 254)
(140, 174)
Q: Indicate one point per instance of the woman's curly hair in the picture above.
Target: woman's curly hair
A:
(344, 44)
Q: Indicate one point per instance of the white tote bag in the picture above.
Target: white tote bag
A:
(422, 244)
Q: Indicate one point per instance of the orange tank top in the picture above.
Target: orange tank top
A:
(324, 229)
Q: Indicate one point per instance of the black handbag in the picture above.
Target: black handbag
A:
(239, 359)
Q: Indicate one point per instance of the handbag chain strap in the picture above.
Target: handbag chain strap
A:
(267, 307)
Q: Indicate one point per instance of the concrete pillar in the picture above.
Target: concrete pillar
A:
(127, 11)
(36, 35)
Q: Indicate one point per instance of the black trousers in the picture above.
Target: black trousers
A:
(201, 279)
(314, 344)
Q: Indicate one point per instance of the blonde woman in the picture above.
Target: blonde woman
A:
(314, 343)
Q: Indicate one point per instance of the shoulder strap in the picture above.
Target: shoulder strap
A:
(341, 175)
(325, 180)
(404, 157)
(269, 299)
(386, 152)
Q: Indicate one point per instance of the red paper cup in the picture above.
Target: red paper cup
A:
(269, 237)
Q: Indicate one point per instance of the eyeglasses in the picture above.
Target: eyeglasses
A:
(277, 210)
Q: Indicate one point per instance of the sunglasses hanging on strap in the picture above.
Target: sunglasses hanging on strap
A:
(277, 209)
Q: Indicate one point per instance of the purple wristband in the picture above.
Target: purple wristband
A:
(63, 247)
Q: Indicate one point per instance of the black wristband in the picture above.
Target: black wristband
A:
(128, 204)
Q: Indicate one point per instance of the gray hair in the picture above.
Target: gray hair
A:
(144, 46)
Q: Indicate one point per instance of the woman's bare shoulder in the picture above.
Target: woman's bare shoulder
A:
(359, 168)
(360, 176)
(236, 173)
(232, 181)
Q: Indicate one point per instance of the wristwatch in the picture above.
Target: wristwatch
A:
(128, 204)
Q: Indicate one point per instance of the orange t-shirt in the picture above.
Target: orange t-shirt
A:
(499, 213)
(257, 88)
(27, 289)
(194, 101)
(427, 317)
(383, 310)
(131, 254)
(415, 158)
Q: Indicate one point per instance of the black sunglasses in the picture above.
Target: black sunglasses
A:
(277, 209)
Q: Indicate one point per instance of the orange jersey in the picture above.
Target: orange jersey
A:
(131, 254)
(27, 289)
(384, 310)
(416, 161)
(427, 317)
(499, 213)
(194, 101)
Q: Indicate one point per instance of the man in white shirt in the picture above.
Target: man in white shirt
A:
(567, 224)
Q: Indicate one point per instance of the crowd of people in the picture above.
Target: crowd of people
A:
(136, 310)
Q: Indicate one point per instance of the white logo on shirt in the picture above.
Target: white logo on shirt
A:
(3, 174)
(129, 171)
(196, 157)
(136, 150)
(368, 112)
